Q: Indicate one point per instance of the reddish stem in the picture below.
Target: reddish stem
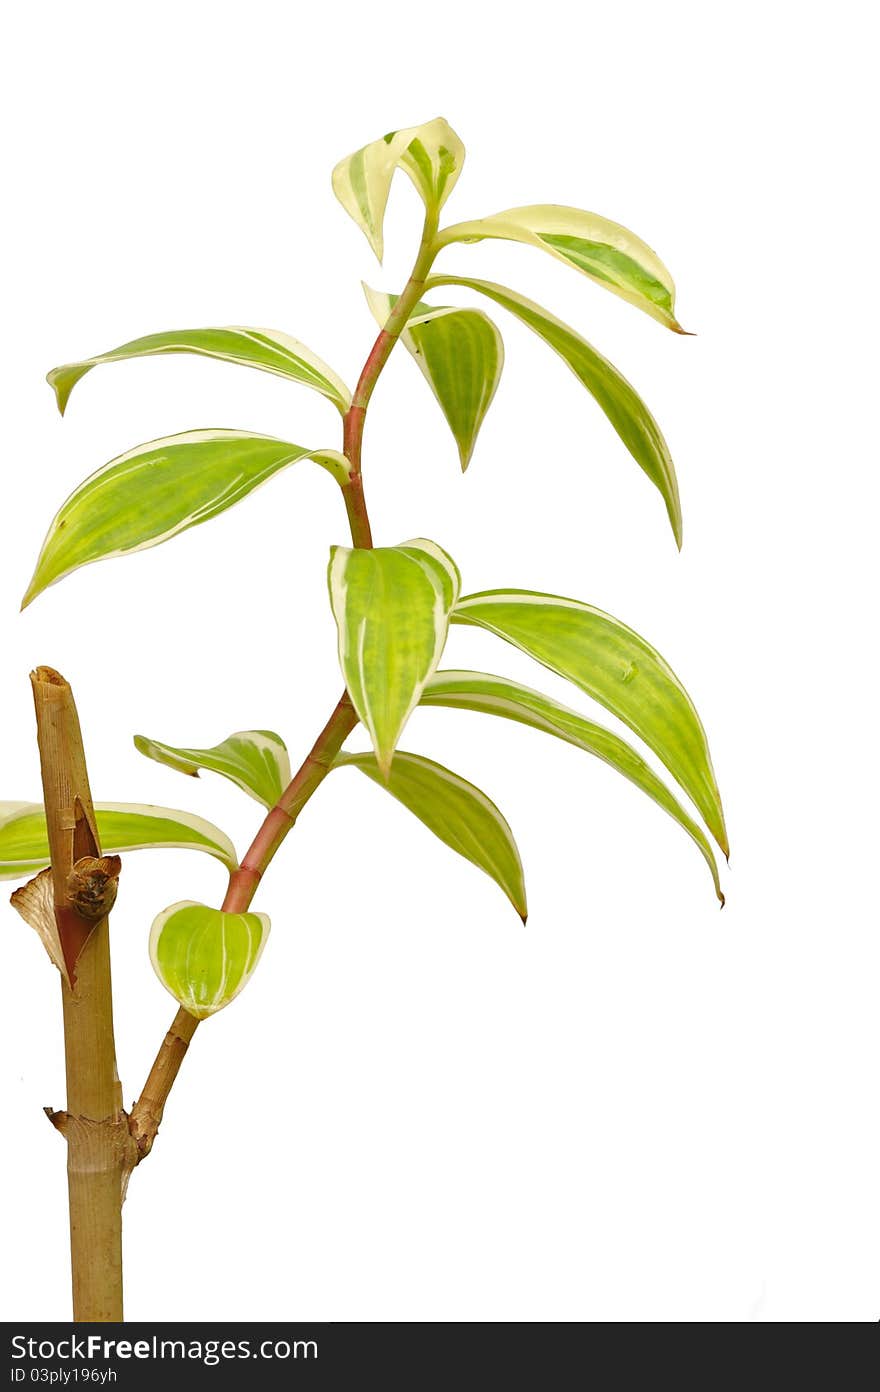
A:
(244, 882)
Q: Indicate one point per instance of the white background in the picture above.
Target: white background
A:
(637, 1108)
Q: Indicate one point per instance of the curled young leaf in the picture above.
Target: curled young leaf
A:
(622, 405)
(392, 607)
(605, 251)
(479, 691)
(266, 349)
(460, 354)
(122, 826)
(205, 957)
(159, 489)
(255, 760)
(618, 669)
(464, 818)
(432, 155)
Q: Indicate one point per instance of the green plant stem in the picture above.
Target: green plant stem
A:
(355, 418)
(146, 1115)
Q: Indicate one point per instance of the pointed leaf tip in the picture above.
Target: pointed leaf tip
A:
(254, 760)
(157, 490)
(391, 605)
(457, 812)
(618, 668)
(624, 408)
(460, 353)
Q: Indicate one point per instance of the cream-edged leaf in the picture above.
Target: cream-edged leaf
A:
(153, 492)
(479, 691)
(431, 154)
(122, 826)
(605, 251)
(460, 353)
(254, 760)
(619, 669)
(266, 349)
(462, 816)
(622, 405)
(204, 956)
(433, 159)
(391, 606)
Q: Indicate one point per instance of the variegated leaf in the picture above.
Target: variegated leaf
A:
(267, 349)
(457, 812)
(204, 956)
(254, 760)
(618, 669)
(460, 354)
(432, 155)
(433, 159)
(479, 691)
(161, 488)
(392, 607)
(622, 405)
(122, 826)
(603, 250)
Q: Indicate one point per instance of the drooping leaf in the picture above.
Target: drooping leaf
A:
(391, 606)
(603, 250)
(432, 155)
(205, 957)
(618, 669)
(122, 826)
(255, 760)
(267, 349)
(622, 405)
(161, 488)
(457, 812)
(460, 354)
(479, 691)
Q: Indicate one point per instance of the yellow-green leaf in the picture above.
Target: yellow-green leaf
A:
(463, 817)
(605, 251)
(432, 155)
(266, 349)
(159, 489)
(460, 354)
(122, 827)
(622, 405)
(254, 760)
(618, 669)
(479, 691)
(391, 606)
(205, 957)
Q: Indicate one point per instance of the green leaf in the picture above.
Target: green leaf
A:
(391, 606)
(157, 490)
(462, 816)
(603, 250)
(122, 826)
(267, 349)
(255, 760)
(618, 669)
(432, 155)
(622, 405)
(460, 354)
(205, 957)
(479, 691)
